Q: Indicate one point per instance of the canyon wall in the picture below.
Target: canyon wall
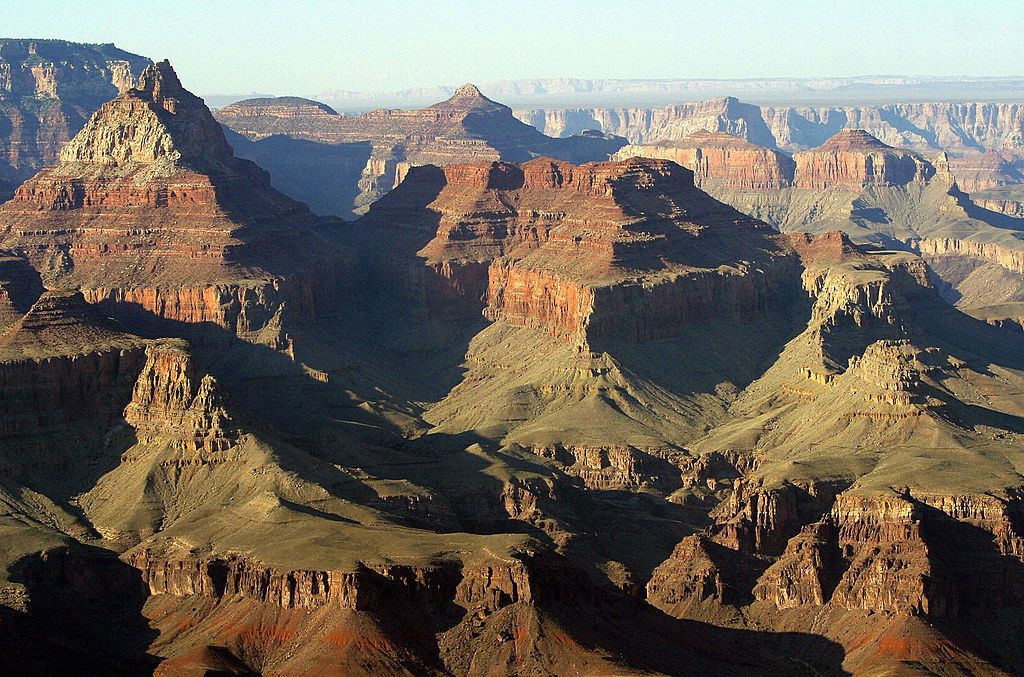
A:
(923, 127)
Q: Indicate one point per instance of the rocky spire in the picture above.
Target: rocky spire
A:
(160, 83)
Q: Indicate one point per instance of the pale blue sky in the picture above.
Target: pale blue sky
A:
(309, 46)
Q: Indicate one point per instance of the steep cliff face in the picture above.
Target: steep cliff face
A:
(728, 160)
(467, 127)
(48, 89)
(149, 209)
(1007, 257)
(66, 375)
(171, 401)
(977, 172)
(727, 115)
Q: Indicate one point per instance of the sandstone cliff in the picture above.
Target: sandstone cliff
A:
(854, 159)
(923, 127)
(582, 253)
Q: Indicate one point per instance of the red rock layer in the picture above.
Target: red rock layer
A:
(854, 159)
(626, 248)
(729, 161)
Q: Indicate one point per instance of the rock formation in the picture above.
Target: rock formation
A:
(923, 127)
(855, 159)
(581, 252)
(149, 209)
(731, 161)
(537, 417)
(48, 89)
(466, 127)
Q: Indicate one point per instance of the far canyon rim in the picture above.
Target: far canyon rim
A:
(629, 377)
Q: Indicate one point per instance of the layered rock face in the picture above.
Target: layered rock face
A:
(728, 160)
(466, 127)
(148, 208)
(48, 89)
(873, 192)
(976, 172)
(588, 251)
(924, 127)
(854, 159)
(66, 374)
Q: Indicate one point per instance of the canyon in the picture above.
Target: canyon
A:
(924, 127)
(704, 407)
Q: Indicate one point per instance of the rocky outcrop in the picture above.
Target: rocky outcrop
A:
(1008, 258)
(854, 159)
(48, 89)
(729, 161)
(172, 402)
(976, 172)
(1009, 207)
(66, 375)
(148, 209)
(367, 587)
(701, 570)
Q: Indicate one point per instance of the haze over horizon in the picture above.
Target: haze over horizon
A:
(366, 47)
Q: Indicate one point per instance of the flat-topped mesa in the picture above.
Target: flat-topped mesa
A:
(149, 207)
(281, 106)
(629, 248)
(854, 159)
(728, 161)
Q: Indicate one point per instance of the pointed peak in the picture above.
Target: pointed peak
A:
(160, 83)
(468, 91)
(854, 139)
(468, 97)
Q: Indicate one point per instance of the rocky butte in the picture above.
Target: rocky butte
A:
(729, 160)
